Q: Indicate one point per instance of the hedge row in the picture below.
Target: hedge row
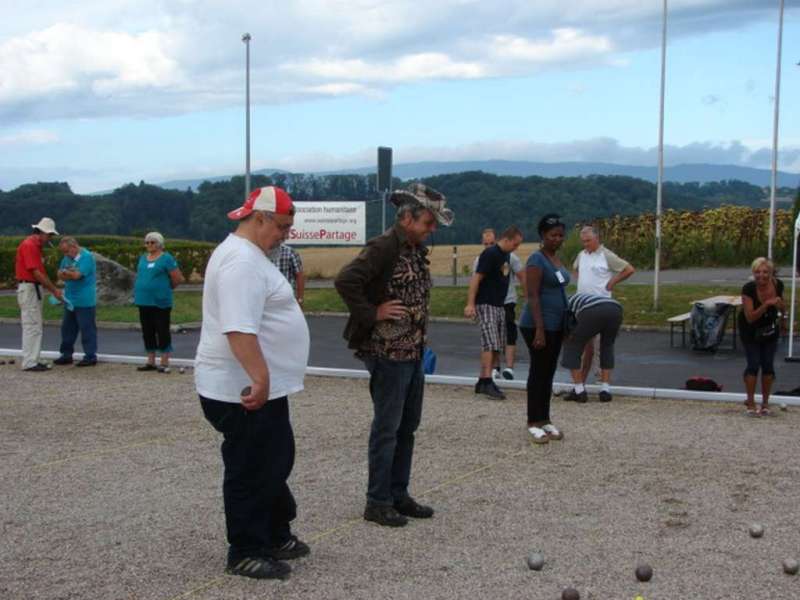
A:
(191, 256)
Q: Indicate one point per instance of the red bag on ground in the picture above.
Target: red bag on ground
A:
(702, 384)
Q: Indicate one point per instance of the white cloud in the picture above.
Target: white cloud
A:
(65, 59)
(157, 57)
(29, 137)
(567, 45)
(604, 150)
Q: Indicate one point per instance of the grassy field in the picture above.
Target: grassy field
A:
(445, 302)
(325, 263)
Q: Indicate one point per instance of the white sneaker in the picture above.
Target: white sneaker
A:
(508, 373)
(552, 432)
(539, 435)
(495, 373)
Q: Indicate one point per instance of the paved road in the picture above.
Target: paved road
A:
(727, 276)
(720, 276)
(643, 358)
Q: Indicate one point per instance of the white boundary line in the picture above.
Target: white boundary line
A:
(618, 390)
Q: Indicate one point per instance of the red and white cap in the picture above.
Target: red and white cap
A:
(269, 198)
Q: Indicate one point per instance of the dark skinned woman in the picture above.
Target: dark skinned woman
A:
(542, 323)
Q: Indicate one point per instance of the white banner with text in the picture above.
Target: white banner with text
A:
(329, 223)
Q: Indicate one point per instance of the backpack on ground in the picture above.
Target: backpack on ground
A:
(708, 323)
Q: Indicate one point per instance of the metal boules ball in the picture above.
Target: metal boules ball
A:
(783, 407)
(535, 561)
(790, 566)
(756, 530)
(644, 572)
(246, 391)
(182, 370)
(570, 594)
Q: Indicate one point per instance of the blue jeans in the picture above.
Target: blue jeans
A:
(83, 320)
(396, 388)
(258, 456)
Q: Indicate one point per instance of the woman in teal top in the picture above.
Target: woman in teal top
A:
(542, 323)
(157, 274)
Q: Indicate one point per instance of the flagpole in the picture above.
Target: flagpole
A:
(774, 179)
(660, 182)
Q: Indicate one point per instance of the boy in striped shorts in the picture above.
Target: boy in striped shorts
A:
(485, 302)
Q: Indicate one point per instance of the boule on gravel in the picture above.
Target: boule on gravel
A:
(644, 572)
(535, 561)
(790, 566)
(756, 530)
(570, 594)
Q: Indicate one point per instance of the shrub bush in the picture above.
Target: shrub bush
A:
(191, 256)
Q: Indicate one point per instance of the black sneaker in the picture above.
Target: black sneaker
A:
(570, 396)
(605, 396)
(581, 398)
(411, 508)
(63, 360)
(490, 390)
(38, 368)
(384, 515)
(86, 362)
(259, 567)
(294, 548)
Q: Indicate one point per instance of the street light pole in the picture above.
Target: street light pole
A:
(660, 183)
(246, 39)
(774, 178)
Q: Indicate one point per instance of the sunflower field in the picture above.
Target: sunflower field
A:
(724, 236)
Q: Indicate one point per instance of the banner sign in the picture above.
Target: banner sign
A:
(329, 223)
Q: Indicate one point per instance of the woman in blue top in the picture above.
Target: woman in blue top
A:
(156, 276)
(541, 325)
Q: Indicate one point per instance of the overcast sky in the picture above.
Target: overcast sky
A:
(102, 93)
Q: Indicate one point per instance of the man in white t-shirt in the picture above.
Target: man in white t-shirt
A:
(252, 354)
(598, 270)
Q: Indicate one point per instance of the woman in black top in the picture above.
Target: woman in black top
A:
(759, 328)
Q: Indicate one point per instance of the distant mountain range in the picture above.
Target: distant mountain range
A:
(701, 173)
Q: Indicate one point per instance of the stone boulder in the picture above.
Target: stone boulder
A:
(114, 282)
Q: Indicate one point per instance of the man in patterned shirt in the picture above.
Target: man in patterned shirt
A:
(288, 261)
(387, 290)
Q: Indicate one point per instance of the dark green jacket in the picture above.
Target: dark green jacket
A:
(362, 283)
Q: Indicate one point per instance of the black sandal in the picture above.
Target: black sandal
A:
(147, 367)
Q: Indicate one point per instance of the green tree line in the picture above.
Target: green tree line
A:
(479, 200)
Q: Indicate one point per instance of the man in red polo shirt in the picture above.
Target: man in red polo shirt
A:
(31, 278)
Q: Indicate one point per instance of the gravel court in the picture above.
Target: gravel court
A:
(111, 489)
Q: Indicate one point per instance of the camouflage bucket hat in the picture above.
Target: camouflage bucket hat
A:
(418, 193)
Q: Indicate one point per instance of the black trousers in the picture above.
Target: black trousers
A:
(155, 328)
(258, 456)
(540, 376)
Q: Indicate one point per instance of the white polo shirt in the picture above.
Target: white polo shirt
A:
(596, 269)
(244, 292)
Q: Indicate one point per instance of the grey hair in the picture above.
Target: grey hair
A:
(590, 229)
(156, 237)
(410, 208)
(68, 241)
